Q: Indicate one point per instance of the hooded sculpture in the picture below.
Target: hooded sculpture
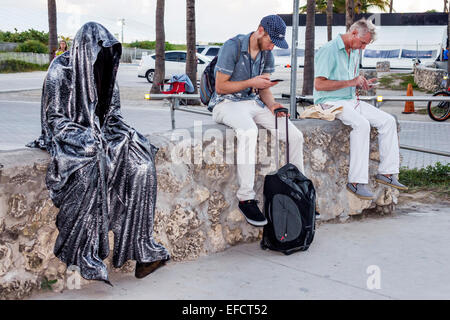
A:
(102, 174)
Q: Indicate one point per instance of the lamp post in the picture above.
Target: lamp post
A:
(121, 22)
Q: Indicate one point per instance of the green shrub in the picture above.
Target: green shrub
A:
(170, 46)
(30, 34)
(433, 177)
(10, 66)
(151, 45)
(32, 46)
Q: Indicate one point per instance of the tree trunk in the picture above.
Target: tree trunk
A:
(330, 19)
(191, 57)
(308, 76)
(52, 32)
(448, 43)
(391, 6)
(349, 13)
(159, 48)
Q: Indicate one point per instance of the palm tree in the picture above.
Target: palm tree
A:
(391, 6)
(52, 32)
(339, 6)
(349, 13)
(329, 19)
(191, 57)
(159, 48)
(448, 44)
(308, 70)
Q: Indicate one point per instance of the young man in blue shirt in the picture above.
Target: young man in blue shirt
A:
(336, 73)
(243, 99)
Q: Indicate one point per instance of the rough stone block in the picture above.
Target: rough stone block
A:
(383, 66)
(429, 78)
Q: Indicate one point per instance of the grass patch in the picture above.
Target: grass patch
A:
(422, 111)
(11, 66)
(386, 82)
(432, 178)
(398, 81)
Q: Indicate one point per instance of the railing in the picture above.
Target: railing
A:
(31, 57)
(175, 104)
(376, 100)
(130, 54)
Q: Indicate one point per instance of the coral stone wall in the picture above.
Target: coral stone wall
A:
(197, 211)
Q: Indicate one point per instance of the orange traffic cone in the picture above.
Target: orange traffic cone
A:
(409, 105)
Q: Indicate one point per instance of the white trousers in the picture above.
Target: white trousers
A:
(243, 116)
(360, 117)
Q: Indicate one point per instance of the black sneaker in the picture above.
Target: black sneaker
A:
(252, 214)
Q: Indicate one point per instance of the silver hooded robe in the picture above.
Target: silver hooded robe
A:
(102, 173)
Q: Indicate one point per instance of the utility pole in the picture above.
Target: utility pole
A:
(121, 22)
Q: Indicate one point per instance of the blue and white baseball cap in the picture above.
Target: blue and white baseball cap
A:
(276, 28)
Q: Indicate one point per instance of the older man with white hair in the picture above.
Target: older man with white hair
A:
(336, 67)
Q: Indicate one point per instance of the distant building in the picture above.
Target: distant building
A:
(401, 37)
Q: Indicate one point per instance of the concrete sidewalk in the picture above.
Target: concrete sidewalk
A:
(406, 255)
(20, 124)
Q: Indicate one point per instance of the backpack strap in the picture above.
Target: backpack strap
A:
(263, 56)
(236, 39)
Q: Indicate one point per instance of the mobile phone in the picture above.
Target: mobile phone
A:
(276, 80)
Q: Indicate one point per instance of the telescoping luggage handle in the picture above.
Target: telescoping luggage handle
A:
(276, 111)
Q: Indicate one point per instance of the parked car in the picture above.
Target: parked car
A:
(209, 51)
(175, 64)
(283, 57)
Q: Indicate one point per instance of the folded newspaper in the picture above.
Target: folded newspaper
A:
(322, 111)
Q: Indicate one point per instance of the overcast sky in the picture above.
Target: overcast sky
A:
(216, 20)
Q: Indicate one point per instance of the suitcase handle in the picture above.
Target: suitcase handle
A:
(276, 111)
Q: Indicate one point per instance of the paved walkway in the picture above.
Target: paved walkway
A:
(20, 124)
(403, 256)
(429, 135)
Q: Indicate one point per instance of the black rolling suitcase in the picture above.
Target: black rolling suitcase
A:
(289, 206)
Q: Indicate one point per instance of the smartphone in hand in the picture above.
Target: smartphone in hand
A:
(276, 80)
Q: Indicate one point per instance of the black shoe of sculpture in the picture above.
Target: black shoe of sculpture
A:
(143, 269)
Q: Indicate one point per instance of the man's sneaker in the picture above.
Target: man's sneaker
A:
(251, 212)
(390, 181)
(361, 191)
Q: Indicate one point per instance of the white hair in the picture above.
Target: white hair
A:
(363, 26)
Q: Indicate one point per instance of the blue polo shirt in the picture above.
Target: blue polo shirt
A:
(240, 66)
(332, 62)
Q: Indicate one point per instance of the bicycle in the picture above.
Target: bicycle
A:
(440, 110)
